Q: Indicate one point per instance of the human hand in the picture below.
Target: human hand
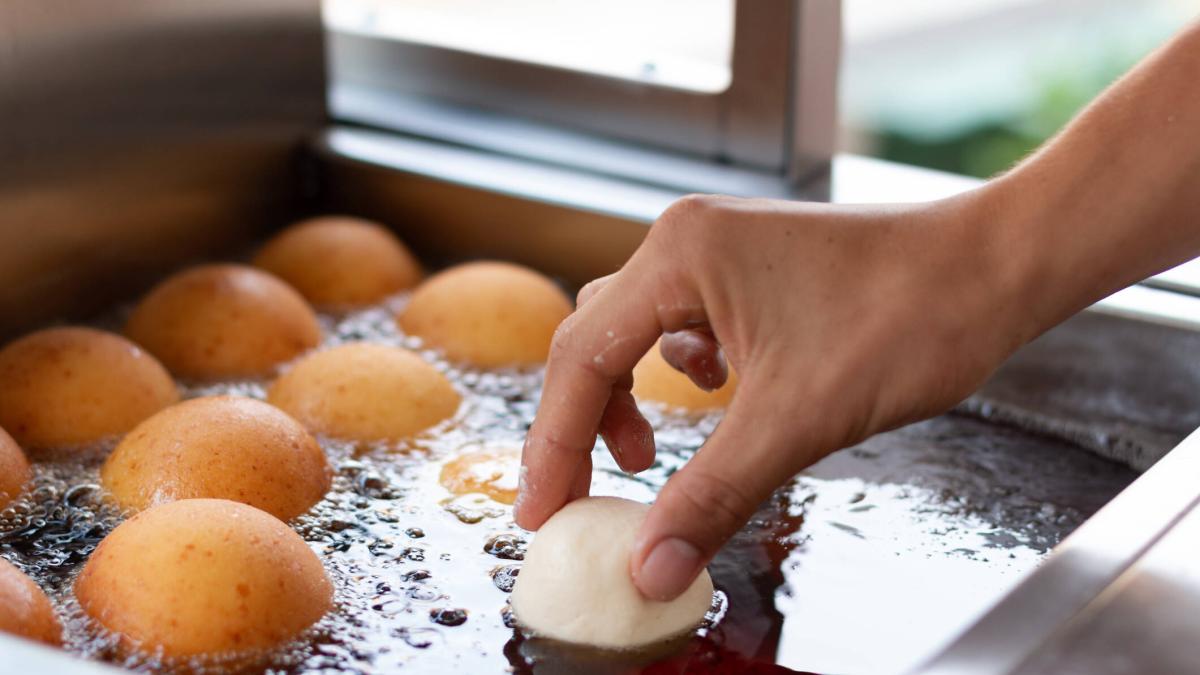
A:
(843, 321)
(840, 322)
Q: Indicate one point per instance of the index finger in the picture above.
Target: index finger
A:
(595, 347)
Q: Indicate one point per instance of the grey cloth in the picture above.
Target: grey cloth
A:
(1125, 389)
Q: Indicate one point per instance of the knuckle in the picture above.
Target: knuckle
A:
(688, 212)
(589, 289)
(551, 445)
(691, 223)
(562, 343)
(594, 287)
(568, 349)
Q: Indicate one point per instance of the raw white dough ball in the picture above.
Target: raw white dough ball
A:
(575, 584)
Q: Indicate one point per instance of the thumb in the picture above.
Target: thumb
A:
(708, 500)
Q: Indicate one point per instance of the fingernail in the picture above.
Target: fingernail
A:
(669, 569)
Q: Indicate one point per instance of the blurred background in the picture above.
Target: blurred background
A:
(971, 86)
(968, 86)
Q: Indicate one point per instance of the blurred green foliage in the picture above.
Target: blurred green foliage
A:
(994, 145)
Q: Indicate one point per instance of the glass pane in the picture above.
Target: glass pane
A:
(685, 44)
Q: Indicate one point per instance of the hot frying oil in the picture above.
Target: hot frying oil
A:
(423, 576)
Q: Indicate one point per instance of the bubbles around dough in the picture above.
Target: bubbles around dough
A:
(655, 380)
(487, 314)
(365, 392)
(15, 473)
(226, 447)
(204, 576)
(70, 387)
(24, 608)
(575, 584)
(492, 472)
(223, 321)
(340, 262)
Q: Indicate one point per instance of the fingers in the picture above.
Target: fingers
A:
(707, 501)
(697, 354)
(590, 289)
(628, 435)
(593, 350)
(582, 484)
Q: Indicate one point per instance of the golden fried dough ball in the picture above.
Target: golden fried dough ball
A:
(655, 380)
(24, 608)
(225, 447)
(487, 314)
(204, 576)
(220, 321)
(68, 387)
(365, 392)
(339, 261)
(491, 472)
(14, 469)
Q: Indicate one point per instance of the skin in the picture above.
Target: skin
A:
(844, 321)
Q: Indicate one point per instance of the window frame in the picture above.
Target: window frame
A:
(778, 115)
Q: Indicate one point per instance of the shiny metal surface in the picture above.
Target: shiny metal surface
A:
(1081, 569)
(433, 196)
(137, 135)
(1146, 622)
(761, 121)
(450, 200)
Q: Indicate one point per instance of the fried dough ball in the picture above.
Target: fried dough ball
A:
(491, 472)
(223, 321)
(365, 392)
(655, 380)
(225, 447)
(204, 576)
(340, 262)
(69, 387)
(24, 608)
(14, 469)
(575, 584)
(487, 314)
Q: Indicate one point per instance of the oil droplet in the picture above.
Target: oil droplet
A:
(505, 577)
(448, 617)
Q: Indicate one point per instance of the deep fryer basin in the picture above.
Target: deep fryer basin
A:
(184, 139)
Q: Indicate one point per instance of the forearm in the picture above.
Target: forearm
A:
(1114, 198)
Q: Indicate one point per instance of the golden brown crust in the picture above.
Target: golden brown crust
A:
(67, 387)
(487, 314)
(24, 608)
(340, 262)
(225, 447)
(224, 321)
(365, 392)
(204, 576)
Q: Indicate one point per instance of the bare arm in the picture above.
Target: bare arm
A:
(844, 321)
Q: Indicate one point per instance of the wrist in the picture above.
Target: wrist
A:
(997, 278)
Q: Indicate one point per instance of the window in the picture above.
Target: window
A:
(746, 84)
(681, 44)
(973, 86)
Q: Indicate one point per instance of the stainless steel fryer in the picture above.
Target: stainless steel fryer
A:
(135, 137)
